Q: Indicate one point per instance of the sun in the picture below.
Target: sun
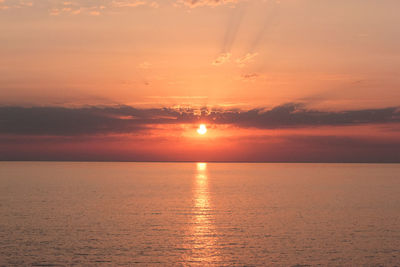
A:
(202, 129)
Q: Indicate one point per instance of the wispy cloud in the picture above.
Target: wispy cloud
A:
(75, 7)
(121, 3)
(222, 58)
(15, 4)
(55, 7)
(197, 3)
(250, 76)
(246, 59)
(241, 62)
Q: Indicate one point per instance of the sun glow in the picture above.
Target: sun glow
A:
(202, 129)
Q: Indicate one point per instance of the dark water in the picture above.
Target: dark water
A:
(199, 214)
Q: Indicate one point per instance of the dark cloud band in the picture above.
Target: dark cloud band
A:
(65, 121)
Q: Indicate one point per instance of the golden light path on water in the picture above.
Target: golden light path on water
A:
(203, 234)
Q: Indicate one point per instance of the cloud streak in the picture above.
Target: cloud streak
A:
(75, 7)
(95, 120)
(221, 59)
(246, 59)
(197, 3)
(78, 6)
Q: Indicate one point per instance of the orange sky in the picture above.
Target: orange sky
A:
(226, 55)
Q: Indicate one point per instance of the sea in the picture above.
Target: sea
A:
(199, 214)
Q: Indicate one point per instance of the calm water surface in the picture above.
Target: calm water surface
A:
(199, 214)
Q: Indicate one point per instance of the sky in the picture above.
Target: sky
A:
(131, 80)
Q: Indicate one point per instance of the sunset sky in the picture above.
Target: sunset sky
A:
(289, 80)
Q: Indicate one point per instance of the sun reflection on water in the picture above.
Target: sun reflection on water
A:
(201, 167)
(203, 245)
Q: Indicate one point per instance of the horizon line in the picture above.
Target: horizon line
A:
(199, 161)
